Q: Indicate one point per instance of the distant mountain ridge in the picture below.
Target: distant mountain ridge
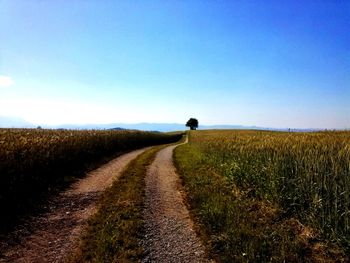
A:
(14, 122)
(10, 122)
(168, 127)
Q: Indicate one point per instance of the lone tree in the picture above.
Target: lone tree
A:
(192, 123)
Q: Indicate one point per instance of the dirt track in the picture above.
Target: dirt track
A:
(52, 236)
(170, 236)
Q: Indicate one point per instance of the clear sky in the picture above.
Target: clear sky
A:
(265, 63)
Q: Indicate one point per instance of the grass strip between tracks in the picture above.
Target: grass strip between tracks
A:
(114, 232)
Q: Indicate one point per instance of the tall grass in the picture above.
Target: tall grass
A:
(306, 174)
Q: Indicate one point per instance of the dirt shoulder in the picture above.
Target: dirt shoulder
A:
(52, 236)
(170, 235)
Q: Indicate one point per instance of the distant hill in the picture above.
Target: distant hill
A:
(167, 127)
(117, 129)
(10, 122)
(14, 122)
(162, 127)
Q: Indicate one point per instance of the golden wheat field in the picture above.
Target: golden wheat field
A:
(34, 160)
(307, 174)
(305, 177)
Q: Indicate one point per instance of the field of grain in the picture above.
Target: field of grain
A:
(288, 185)
(32, 161)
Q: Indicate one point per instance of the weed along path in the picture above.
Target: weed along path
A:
(169, 232)
(53, 236)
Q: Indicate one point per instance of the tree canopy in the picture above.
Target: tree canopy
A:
(192, 123)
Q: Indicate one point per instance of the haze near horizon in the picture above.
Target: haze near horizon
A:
(263, 63)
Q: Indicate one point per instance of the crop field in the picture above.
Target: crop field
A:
(35, 160)
(270, 195)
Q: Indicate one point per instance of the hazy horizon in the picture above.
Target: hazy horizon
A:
(13, 122)
(252, 63)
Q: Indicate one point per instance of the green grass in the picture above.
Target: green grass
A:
(236, 202)
(114, 232)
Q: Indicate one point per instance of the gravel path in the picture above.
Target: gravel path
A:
(52, 236)
(170, 236)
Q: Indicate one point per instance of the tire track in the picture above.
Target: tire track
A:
(170, 235)
(53, 236)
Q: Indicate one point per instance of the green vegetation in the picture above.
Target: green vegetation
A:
(114, 232)
(35, 160)
(269, 196)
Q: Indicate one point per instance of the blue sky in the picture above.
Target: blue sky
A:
(265, 63)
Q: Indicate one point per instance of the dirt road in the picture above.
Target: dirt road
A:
(170, 236)
(52, 236)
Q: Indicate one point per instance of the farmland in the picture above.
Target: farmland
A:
(271, 196)
(35, 161)
(254, 196)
